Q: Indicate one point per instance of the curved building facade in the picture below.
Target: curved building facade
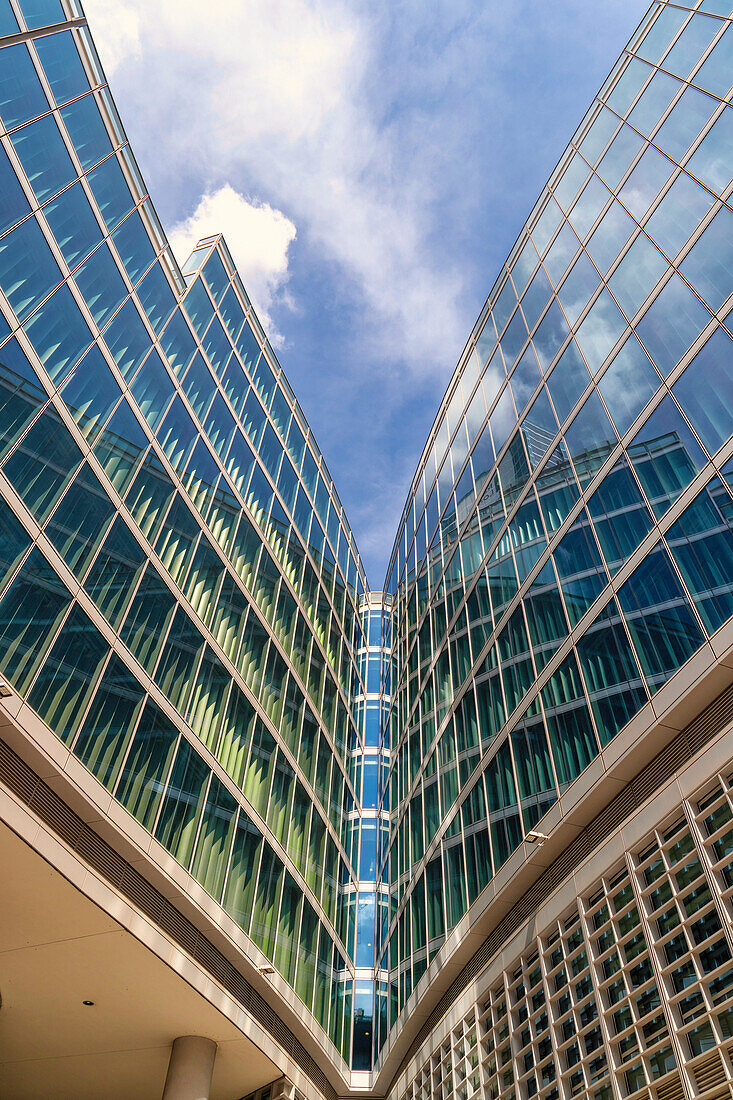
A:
(468, 837)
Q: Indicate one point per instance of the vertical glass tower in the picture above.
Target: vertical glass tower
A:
(467, 837)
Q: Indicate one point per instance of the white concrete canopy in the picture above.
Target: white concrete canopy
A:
(58, 950)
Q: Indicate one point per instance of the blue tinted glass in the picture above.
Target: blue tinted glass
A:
(42, 13)
(684, 123)
(73, 224)
(610, 236)
(663, 627)
(62, 65)
(215, 276)
(21, 94)
(695, 38)
(628, 85)
(639, 271)
(561, 252)
(8, 22)
(13, 203)
(653, 102)
(645, 182)
(665, 455)
(568, 380)
(709, 264)
(4, 328)
(673, 321)
(661, 33)
(28, 271)
(59, 333)
(111, 191)
(44, 157)
(127, 339)
(679, 214)
(712, 161)
(86, 130)
(547, 340)
(598, 136)
(716, 72)
(622, 151)
(600, 329)
(152, 390)
(91, 393)
(100, 282)
(156, 297)
(577, 289)
(628, 383)
(592, 199)
(706, 391)
(178, 344)
(134, 246)
(198, 307)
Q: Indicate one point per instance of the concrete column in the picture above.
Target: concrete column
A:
(190, 1068)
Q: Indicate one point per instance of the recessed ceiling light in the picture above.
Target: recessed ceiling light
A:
(88, 1003)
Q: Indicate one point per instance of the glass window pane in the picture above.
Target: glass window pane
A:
(13, 203)
(127, 339)
(621, 152)
(110, 720)
(640, 270)
(73, 224)
(715, 72)
(661, 33)
(568, 380)
(663, 626)
(30, 612)
(653, 102)
(695, 38)
(68, 675)
(610, 236)
(8, 22)
(21, 394)
(28, 271)
(87, 131)
(645, 182)
(43, 463)
(679, 214)
(577, 289)
(91, 393)
(595, 141)
(42, 13)
(134, 246)
(706, 391)
(111, 191)
(59, 333)
(665, 455)
(709, 264)
(712, 161)
(701, 543)
(627, 384)
(101, 284)
(599, 330)
(673, 321)
(147, 765)
(684, 123)
(21, 94)
(78, 525)
(182, 803)
(62, 65)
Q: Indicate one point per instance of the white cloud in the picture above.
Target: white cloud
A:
(258, 237)
(116, 31)
(271, 95)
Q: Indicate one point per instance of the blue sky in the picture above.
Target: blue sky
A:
(370, 166)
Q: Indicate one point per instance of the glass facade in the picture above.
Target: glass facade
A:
(566, 546)
(345, 772)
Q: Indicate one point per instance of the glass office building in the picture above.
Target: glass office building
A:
(471, 836)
